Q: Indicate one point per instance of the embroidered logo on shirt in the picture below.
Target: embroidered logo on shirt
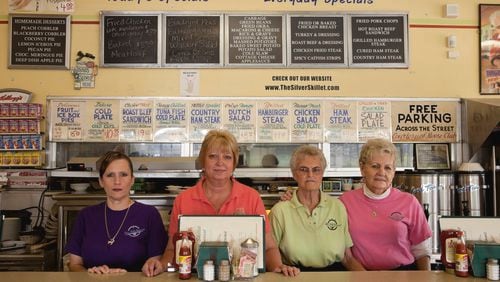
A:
(397, 216)
(332, 224)
(134, 231)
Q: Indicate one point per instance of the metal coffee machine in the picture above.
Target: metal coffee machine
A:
(471, 193)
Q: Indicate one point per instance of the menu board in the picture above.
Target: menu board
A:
(136, 122)
(193, 40)
(204, 116)
(67, 120)
(130, 39)
(273, 121)
(424, 121)
(104, 120)
(39, 41)
(307, 121)
(379, 40)
(255, 40)
(340, 121)
(239, 119)
(171, 121)
(317, 40)
(374, 120)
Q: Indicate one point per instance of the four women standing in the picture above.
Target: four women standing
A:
(388, 227)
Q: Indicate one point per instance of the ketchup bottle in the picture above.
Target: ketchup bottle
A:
(461, 256)
(185, 258)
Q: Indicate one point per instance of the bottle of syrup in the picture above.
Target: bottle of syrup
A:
(461, 256)
(185, 258)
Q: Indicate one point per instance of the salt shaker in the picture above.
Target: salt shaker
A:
(492, 270)
(208, 271)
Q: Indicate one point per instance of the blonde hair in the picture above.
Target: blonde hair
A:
(377, 145)
(222, 139)
(306, 150)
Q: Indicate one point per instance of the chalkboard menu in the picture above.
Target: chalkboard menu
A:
(379, 41)
(39, 41)
(256, 40)
(130, 39)
(317, 40)
(193, 40)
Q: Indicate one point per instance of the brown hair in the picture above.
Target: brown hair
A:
(219, 138)
(111, 156)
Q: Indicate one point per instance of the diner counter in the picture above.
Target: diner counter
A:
(372, 276)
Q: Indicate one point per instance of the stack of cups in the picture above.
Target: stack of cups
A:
(492, 270)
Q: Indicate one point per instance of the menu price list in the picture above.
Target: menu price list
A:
(255, 39)
(317, 40)
(378, 40)
(39, 41)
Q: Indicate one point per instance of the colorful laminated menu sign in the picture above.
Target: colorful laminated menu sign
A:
(67, 120)
(261, 120)
(136, 122)
(424, 121)
(273, 122)
(239, 119)
(374, 120)
(171, 121)
(204, 116)
(104, 120)
(306, 121)
(340, 121)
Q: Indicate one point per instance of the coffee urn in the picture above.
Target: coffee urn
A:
(471, 193)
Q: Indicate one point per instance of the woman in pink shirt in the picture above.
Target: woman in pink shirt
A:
(388, 227)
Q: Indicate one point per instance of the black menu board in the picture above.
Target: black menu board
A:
(379, 40)
(193, 40)
(130, 39)
(39, 41)
(317, 41)
(256, 40)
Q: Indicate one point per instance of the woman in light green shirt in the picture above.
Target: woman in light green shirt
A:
(311, 229)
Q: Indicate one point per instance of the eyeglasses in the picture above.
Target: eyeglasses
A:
(306, 170)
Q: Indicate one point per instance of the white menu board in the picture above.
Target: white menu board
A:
(136, 120)
(104, 120)
(340, 121)
(307, 121)
(171, 121)
(67, 120)
(273, 122)
(239, 119)
(374, 120)
(204, 116)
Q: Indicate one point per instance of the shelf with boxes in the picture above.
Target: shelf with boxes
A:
(21, 139)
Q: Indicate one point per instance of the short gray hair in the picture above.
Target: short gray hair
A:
(377, 145)
(306, 150)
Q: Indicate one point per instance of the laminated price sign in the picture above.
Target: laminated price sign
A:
(67, 120)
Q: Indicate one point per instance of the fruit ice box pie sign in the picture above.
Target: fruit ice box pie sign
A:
(39, 41)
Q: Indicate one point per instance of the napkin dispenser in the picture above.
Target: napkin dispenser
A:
(211, 250)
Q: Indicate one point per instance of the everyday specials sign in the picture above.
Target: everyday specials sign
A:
(424, 121)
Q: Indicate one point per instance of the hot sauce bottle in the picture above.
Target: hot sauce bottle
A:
(185, 258)
(461, 256)
(448, 241)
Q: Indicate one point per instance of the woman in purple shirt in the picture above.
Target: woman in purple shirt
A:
(119, 234)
